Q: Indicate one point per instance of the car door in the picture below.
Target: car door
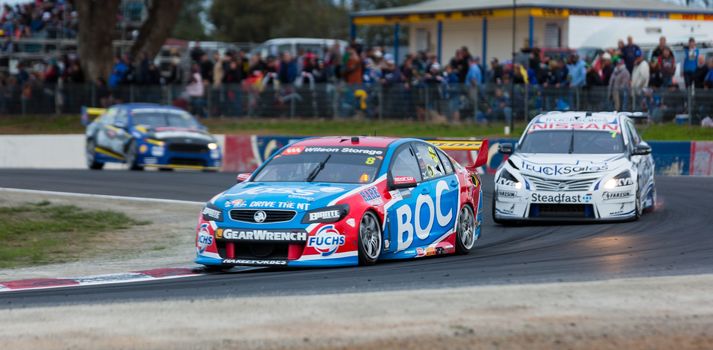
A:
(642, 163)
(105, 132)
(399, 212)
(438, 204)
(120, 134)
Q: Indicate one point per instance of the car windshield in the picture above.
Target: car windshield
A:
(169, 118)
(572, 141)
(323, 164)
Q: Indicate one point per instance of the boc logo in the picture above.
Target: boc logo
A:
(326, 240)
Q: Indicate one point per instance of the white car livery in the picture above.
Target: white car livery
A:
(576, 166)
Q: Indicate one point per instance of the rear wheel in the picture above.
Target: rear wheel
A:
(132, 156)
(465, 233)
(369, 240)
(92, 155)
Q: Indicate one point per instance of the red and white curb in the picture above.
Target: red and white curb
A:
(136, 276)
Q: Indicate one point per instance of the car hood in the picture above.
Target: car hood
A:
(299, 196)
(566, 165)
(166, 133)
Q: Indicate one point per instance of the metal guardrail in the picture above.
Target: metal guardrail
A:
(421, 102)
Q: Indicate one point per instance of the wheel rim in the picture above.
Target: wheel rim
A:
(466, 228)
(370, 236)
(90, 153)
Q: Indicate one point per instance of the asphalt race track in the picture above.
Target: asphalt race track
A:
(676, 239)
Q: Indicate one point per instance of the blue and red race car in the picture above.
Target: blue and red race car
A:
(149, 135)
(336, 201)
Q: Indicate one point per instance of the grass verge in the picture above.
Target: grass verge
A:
(42, 233)
(69, 124)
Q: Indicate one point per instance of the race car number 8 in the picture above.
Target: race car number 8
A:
(370, 161)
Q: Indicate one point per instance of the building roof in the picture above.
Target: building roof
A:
(434, 6)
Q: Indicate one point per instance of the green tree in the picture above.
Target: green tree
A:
(189, 25)
(260, 20)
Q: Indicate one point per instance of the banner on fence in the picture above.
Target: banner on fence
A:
(247, 152)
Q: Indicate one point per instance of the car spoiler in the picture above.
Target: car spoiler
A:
(88, 112)
(480, 146)
(635, 115)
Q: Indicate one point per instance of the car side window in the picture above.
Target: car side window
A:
(447, 166)
(633, 134)
(108, 118)
(428, 161)
(405, 163)
(121, 118)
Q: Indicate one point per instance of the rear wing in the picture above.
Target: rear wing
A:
(479, 146)
(89, 112)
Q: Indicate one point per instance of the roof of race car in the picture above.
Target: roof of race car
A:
(594, 121)
(142, 105)
(332, 141)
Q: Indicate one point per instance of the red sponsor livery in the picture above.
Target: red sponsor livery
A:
(289, 151)
(400, 180)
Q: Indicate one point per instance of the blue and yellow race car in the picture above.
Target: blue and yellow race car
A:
(149, 135)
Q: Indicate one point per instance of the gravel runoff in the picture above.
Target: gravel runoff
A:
(166, 242)
(641, 313)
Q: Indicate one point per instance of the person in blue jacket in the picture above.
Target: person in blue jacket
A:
(690, 62)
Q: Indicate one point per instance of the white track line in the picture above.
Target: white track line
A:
(102, 196)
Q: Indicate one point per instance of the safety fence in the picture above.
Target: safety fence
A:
(247, 152)
(437, 101)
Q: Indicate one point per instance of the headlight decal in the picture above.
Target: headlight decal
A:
(326, 215)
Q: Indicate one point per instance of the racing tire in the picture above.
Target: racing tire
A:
(638, 210)
(131, 157)
(369, 239)
(91, 156)
(653, 201)
(465, 231)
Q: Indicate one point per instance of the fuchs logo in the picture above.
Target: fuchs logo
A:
(326, 241)
(204, 238)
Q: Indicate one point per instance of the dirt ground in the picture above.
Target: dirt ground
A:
(166, 242)
(644, 313)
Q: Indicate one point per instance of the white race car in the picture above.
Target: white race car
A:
(576, 166)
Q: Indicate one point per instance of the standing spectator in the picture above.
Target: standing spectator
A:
(577, 72)
(460, 65)
(607, 68)
(474, 77)
(218, 72)
(619, 85)
(701, 72)
(667, 66)
(630, 52)
(206, 68)
(175, 73)
(690, 62)
(658, 51)
(708, 81)
(495, 73)
(195, 91)
(353, 71)
(288, 69)
(656, 75)
(641, 75)
(118, 73)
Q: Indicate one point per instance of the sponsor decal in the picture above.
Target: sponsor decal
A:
(371, 195)
(326, 241)
(205, 239)
(409, 220)
(264, 235)
(325, 215)
(561, 198)
(291, 151)
(506, 210)
(277, 205)
(351, 222)
(396, 195)
(259, 216)
(297, 191)
(615, 195)
(506, 194)
(569, 125)
(429, 251)
(346, 150)
(255, 262)
(404, 179)
(560, 170)
(212, 214)
(235, 203)
(505, 182)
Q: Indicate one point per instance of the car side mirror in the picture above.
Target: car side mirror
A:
(641, 150)
(398, 182)
(505, 148)
(242, 177)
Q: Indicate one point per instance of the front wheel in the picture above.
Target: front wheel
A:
(639, 210)
(132, 157)
(369, 239)
(92, 156)
(465, 234)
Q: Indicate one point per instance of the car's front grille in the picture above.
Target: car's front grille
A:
(186, 161)
(255, 250)
(188, 147)
(542, 184)
(271, 215)
(561, 211)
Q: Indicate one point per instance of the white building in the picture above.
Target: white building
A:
(486, 26)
